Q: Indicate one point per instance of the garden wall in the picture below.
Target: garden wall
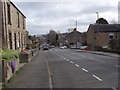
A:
(9, 67)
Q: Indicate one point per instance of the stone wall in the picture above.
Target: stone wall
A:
(90, 39)
(27, 56)
(0, 24)
(9, 68)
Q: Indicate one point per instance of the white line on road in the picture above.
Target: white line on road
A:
(67, 59)
(77, 65)
(64, 58)
(71, 62)
(84, 70)
(117, 66)
(97, 77)
(50, 74)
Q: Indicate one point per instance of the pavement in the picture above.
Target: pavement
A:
(33, 75)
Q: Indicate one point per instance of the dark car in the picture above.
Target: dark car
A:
(45, 47)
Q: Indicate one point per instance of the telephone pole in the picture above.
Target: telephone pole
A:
(76, 25)
(98, 38)
(97, 15)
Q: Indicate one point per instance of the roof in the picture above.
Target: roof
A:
(105, 27)
(17, 9)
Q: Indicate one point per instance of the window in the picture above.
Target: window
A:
(111, 36)
(10, 40)
(23, 23)
(8, 14)
(19, 40)
(15, 41)
(18, 20)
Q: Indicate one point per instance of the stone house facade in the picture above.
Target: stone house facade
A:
(76, 37)
(62, 39)
(1, 25)
(100, 35)
(13, 26)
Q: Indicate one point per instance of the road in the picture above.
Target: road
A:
(65, 68)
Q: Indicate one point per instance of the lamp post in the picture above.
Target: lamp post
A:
(97, 15)
(76, 25)
(98, 29)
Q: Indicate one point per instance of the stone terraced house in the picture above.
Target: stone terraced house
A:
(12, 26)
(102, 34)
(76, 37)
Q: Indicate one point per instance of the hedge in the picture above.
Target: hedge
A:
(10, 54)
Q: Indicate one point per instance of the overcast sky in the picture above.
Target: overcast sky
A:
(59, 16)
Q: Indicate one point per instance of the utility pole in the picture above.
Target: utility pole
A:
(97, 15)
(76, 25)
(98, 38)
(76, 38)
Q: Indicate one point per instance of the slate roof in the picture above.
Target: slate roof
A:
(106, 27)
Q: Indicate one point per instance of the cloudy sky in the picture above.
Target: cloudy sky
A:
(59, 15)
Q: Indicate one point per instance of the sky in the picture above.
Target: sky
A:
(59, 15)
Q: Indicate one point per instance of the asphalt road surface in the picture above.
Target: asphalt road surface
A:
(69, 69)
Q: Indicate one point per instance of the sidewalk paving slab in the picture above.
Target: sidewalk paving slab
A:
(33, 75)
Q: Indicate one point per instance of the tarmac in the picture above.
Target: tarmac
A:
(101, 53)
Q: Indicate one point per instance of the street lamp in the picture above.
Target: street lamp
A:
(97, 15)
(97, 28)
(76, 25)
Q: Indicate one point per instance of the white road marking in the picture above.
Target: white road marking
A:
(67, 59)
(77, 65)
(84, 70)
(71, 62)
(64, 58)
(97, 77)
(117, 66)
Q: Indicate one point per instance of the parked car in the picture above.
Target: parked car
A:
(51, 46)
(63, 47)
(45, 48)
(84, 48)
(73, 47)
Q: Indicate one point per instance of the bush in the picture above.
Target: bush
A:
(10, 54)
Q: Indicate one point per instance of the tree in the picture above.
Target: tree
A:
(52, 37)
(102, 21)
(70, 30)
